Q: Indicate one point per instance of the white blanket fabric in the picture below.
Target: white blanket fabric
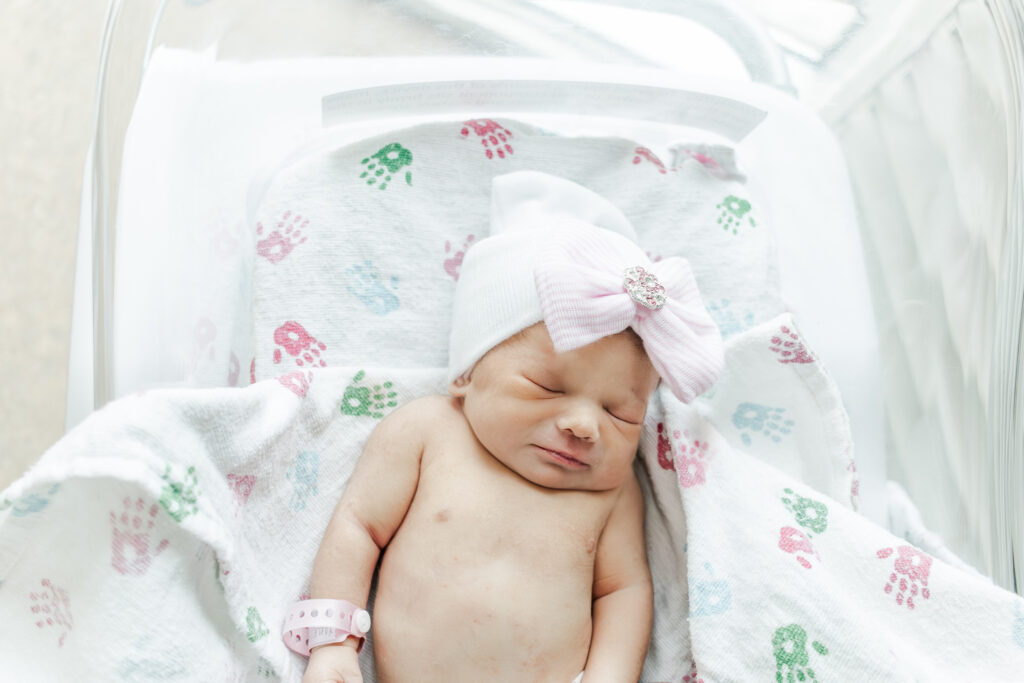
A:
(165, 536)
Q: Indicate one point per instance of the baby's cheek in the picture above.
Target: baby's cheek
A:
(628, 440)
(619, 469)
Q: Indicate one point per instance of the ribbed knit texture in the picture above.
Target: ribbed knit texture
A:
(580, 283)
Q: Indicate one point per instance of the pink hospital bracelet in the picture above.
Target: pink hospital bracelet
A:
(310, 623)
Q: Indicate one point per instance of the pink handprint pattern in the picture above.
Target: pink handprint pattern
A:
(493, 136)
(854, 483)
(691, 459)
(52, 608)
(277, 245)
(718, 160)
(298, 343)
(692, 676)
(242, 486)
(305, 349)
(702, 156)
(454, 263)
(644, 153)
(664, 449)
(910, 568)
(788, 347)
(794, 542)
(296, 382)
(131, 551)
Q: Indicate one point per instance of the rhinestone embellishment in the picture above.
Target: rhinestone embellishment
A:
(644, 288)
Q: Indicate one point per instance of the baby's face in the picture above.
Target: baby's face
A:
(569, 420)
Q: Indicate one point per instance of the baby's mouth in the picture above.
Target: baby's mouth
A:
(564, 458)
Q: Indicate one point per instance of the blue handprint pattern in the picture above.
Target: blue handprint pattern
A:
(305, 476)
(33, 502)
(729, 321)
(708, 598)
(753, 418)
(366, 284)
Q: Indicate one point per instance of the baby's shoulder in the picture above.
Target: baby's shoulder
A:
(411, 426)
(423, 413)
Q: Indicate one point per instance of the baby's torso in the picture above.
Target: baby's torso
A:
(489, 577)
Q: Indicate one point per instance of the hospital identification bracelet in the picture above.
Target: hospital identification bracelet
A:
(310, 623)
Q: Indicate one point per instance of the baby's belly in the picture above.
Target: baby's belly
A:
(446, 613)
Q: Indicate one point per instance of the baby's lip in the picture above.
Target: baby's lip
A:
(569, 457)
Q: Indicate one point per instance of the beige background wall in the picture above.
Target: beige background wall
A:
(49, 54)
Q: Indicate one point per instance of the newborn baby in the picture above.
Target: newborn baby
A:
(508, 513)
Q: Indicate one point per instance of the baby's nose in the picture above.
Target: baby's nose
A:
(579, 420)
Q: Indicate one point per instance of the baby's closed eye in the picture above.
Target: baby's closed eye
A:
(545, 384)
(625, 414)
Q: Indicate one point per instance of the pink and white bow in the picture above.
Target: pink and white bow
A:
(593, 283)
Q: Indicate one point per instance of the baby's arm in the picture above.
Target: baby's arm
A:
(375, 501)
(623, 595)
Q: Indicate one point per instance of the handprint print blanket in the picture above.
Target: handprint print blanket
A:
(784, 580)
(787, 584)
(164, 537)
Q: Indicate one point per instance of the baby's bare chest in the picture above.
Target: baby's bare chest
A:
(493, 512)
(471, 511)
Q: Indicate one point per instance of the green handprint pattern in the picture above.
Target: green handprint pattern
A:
(732, 212)
(385, 161)
(366, 400)
(255, 627)
(180, 496)
(264, 669)
(809, 513)
(789, 645)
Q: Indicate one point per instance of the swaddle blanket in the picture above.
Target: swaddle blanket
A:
(164, 537)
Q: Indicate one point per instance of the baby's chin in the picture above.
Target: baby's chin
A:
(551, 476)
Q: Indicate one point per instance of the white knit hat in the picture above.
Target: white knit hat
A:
(496, 295)
(562, 254)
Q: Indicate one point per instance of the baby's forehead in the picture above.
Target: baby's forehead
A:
(532, 340)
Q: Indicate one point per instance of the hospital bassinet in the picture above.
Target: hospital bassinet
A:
(917, 314)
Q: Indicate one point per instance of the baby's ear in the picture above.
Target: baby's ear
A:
(458, 386)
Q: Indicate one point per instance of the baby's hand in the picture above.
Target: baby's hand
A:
(334, 664)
